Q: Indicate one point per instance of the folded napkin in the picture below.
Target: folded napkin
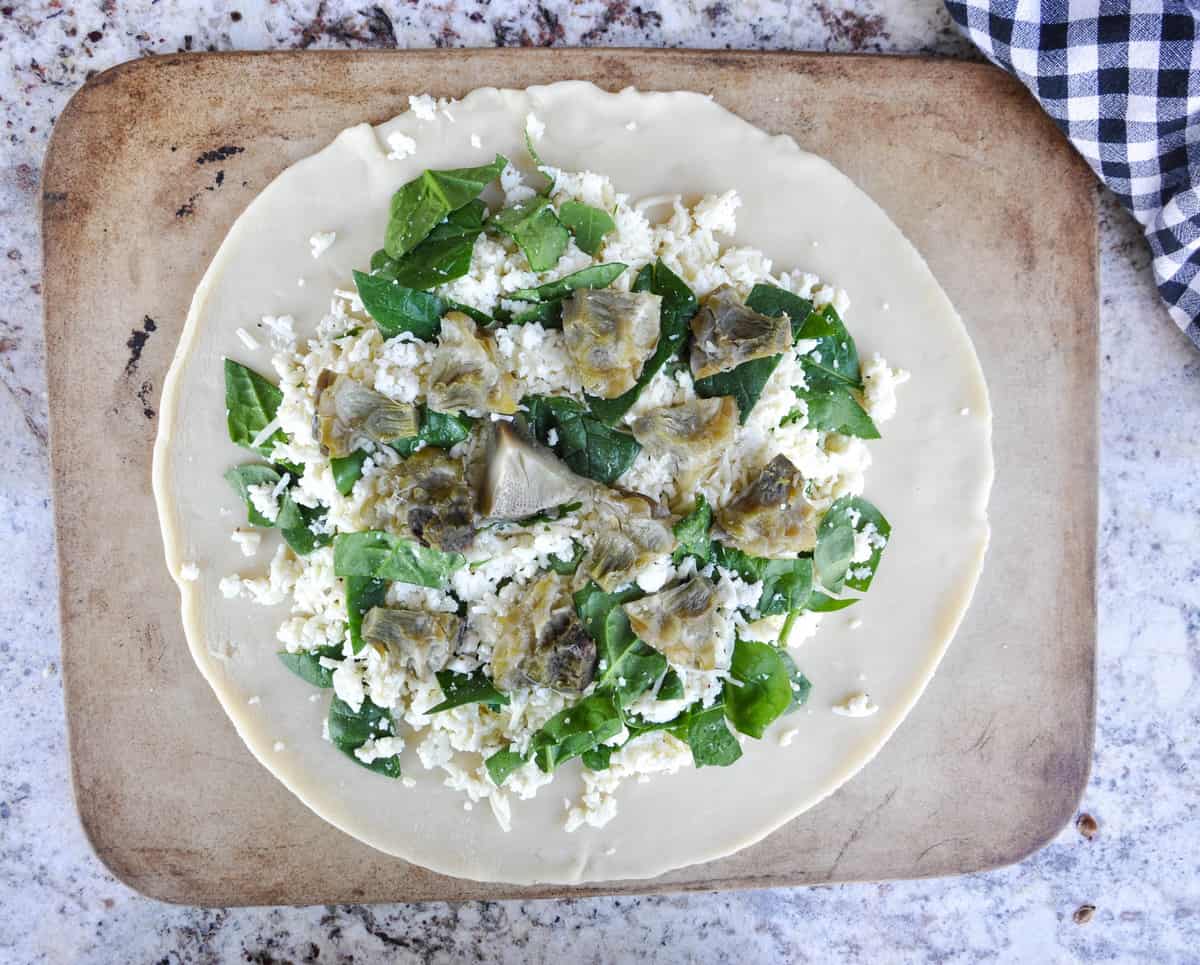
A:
(1122, 81)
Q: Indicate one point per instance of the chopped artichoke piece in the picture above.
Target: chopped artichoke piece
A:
(543, 642)
(683, 624)
(423, 639)
(349, 413)
(521, 477)
(771, 516)
(464, 374)
(725, 333)
(428, 496)
(609, 336)
(635, 539)
(695, 434)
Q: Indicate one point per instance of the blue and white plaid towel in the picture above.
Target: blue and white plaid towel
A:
(1122, 81)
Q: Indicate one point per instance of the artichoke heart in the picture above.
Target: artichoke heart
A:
(464, 373)
(348, 412)
(683, 624)
(725, 333)
(428, 496)
(695, 434)
(542, 641)
(771, 516)
(609, 336)
(521, 477)
(636, 538)
(423, 639)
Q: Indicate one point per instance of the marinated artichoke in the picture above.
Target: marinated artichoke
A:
(347, 413)
(771, 516)
(427, 495)
(695, 434)
(521, 477)
(683, 624)
(464, 374)
(609, 336)
(424, 639)
(544, 642)
(635, 538)
(725, 333)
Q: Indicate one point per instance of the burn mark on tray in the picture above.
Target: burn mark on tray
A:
(219, 154)
(188, 208)
(136, 343)
(145, 396)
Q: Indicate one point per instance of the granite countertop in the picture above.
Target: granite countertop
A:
(1126, 890)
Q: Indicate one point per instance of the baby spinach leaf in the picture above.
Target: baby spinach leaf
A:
(444, 255)
(441, 429)
(251, 403)
(594, 276)
(867, 515)
(363, 594)
(480, 318)
(296, 523)
(598, 758)
(535, 228)
(692, 533)
(835, 545)
(423, 203)
(589, 225)
(307, 664)
(576, 729)
(787, 585)
(588, 446)
(819, 602)
(745, 383)
(671, 687)
(241, 478)
(678, 307)
(503, 763)
(349, 730)
(347, 470)
(381, 556)
(708, 736)
(398, 309)
(835, 352)
(773, 302)
(463, 688)
(626, 666)
(567, 567)
(832, 406)
(800, 685)
(763, 690)
(546, 314)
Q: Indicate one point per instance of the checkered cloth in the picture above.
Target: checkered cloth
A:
(1122, 81)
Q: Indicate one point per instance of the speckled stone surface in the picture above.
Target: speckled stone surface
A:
(1139, 870)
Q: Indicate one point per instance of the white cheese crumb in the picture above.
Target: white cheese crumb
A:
(786, 738)
(552, 437)
(631, 126)
(248, 540)
(466, 805)
(964, 411)
(283, 332)
(609, 852)
(533, 127)
(855, 624)
(401, 146)
(254, 700)
(408, 782)
(321, 241)
(423, 106)
(189, 571)
(299, 282)
(886, 306)
(280, 745)
(264, 500)
(313, 698)
(856, 705)
(476, 142)
(248, 340)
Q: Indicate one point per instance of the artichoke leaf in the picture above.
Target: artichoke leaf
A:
(521, 477)
(609, 336)
(464, 373)
(347, 413)
(772, 517)
(683, 623)
(725, 333)
(421, 638)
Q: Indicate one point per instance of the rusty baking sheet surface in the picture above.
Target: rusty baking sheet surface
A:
(149, 165)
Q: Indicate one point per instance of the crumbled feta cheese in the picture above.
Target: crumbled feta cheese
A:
(400, 146)
(189, 571)
(787, 736)
(265, 500)
(248, 540)
(254, 700)
(282, 332)
(476, 141)
(631, 126)
(533, 127)
(423, 106)
(321, 241)
(279, 746)
(856, 705)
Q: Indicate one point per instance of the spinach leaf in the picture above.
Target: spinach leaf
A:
(347, 470)
(598, 758)
(835, 353)
(348, 731)
(379, 555)
(535, 228)
(868, 515)
(480, 318)
(576, 729)
(444, 255)
(819, 602)
(363, 594)
(671, 687)
(398, 309)
(567, 567)
(787, 586)
(588, 446)
(441, 429)
(503, 763)
(832, 406)
(801, 686)
(296, 523)
(745, 383)
(546, 314)
(464, 688)
(548, 515)
(692, 533)
(241, 478)
(763, 690)
(594, 276)
(589, 225)
(307, 664)
(678, 307)
(835, 545)
(708, 736)
(425, 202)
(251, 403)
(773, 302)
(627, 667)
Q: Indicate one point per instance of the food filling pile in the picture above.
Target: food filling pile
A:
(566, 476)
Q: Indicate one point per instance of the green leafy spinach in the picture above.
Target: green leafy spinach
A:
(535, 228)
(760, 689)
(350, 729)
(306, 664)
(251, 403)
(425, 202)
(588, 446)
(462, 688)
(589, 225)
(378, 555)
